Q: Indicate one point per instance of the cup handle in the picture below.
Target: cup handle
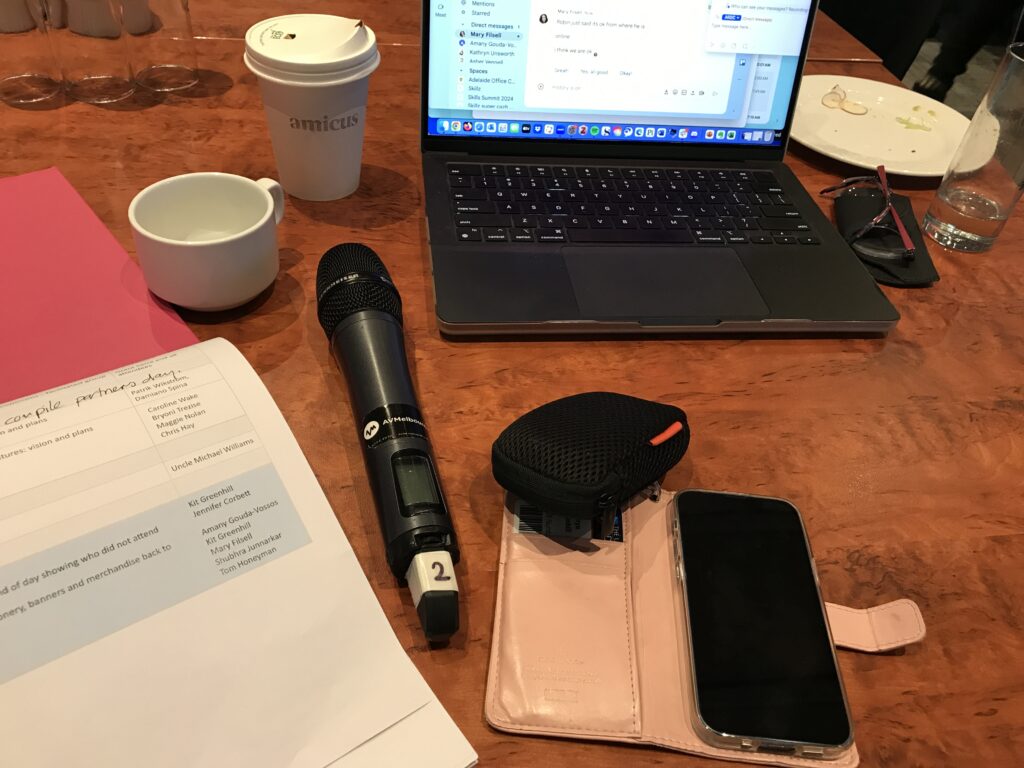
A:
(277, 193)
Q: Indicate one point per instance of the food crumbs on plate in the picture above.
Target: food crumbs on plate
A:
(916, 121)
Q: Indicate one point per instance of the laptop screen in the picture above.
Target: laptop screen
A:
(653, 71)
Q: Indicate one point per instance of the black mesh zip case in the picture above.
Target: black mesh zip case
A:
(585, 455)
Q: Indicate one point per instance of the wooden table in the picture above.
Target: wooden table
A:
(904, 454)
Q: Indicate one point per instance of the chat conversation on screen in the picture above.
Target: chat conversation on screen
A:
(767, 27)
(642, 56)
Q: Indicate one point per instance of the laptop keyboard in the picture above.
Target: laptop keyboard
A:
(606, 204)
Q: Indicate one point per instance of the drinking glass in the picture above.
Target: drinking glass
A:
(29, 72)
(163, 49)
(93, 51)
(984, 180)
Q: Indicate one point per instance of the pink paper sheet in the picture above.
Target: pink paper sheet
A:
(72, 302)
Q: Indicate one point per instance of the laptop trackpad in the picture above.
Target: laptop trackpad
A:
(662, 283)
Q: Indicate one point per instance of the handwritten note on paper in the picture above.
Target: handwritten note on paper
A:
(72, 302)
(170, 567)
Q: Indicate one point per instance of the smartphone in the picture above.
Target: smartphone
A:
(765, 677)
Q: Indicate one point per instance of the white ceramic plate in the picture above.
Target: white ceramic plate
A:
(908, 133)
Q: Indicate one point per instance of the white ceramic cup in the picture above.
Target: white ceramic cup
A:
(313, 71)
(208, 241)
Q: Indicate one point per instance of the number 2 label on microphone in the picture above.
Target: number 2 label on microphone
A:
(439, 574)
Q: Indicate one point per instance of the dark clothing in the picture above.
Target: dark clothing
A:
(964, 28)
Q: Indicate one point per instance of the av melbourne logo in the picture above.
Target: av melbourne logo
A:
(371, 429)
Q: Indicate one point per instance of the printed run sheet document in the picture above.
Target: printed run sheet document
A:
(175, 590)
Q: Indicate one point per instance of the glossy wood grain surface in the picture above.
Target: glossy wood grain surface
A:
(905, 454)
(830, 42)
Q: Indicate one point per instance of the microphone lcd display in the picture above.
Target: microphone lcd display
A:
(416, 484)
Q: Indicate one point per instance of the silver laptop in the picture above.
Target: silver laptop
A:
(605, 167)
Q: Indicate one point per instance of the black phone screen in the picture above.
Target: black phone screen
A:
(763, 661)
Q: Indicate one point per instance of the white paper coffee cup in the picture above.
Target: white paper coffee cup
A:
(313, 71)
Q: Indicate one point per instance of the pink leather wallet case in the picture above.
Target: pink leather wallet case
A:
(589, 640)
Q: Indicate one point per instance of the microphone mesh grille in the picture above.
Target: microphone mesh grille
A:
(335, 303)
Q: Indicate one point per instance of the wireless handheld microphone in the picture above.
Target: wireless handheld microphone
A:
(361, 313)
